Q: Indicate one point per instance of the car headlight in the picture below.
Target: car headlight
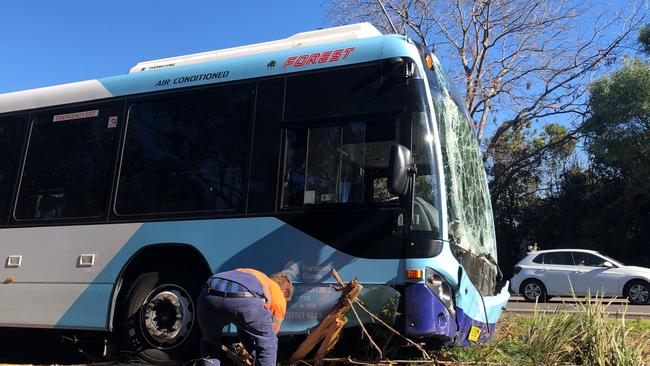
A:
(439, 287)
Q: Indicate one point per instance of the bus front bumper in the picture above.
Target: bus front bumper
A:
(426, 316)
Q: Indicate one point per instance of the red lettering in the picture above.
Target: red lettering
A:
(312, 59)
(301, 60)
(290, 60)
(348, 51)
(317, 57)
(336, 55)
(324, 57)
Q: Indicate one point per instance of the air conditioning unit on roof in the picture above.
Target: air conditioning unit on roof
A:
(304, 39)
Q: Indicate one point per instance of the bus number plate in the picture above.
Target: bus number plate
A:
(474, 333)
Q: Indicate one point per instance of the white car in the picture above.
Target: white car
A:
(564, 272)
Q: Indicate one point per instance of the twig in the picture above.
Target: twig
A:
(425, 355)
(348, 360)
(390, 338)
(239, 355)
(365, 331)
(337, 277)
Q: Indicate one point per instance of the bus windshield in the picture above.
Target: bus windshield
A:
(469, 209)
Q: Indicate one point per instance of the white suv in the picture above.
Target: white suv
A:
(576, 271)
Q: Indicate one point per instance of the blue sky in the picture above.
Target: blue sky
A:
(49, 42)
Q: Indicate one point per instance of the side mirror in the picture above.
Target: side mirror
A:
(607, 264)
(398, 169)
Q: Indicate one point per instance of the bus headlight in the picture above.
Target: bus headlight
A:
(439, 286)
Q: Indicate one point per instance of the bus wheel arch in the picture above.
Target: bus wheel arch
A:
(159, 284)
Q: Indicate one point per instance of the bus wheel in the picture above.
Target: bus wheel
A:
(157, 318)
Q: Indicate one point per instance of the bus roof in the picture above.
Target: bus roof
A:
(352, 44)
(298, 40)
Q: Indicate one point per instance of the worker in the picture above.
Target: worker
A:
(255, 303)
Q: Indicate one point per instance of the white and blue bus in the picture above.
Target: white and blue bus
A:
(337, 149)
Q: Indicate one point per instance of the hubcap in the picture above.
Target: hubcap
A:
(167, 316)
(532, 291)
(639, 293)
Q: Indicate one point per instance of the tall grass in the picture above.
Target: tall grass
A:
(588, 336)
(603, 340)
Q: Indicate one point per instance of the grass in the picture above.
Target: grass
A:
(587, 337)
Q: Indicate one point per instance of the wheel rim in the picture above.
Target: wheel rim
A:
(639, 293)
(167, 316)
(532, 291)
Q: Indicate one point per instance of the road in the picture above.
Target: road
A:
(616, 307)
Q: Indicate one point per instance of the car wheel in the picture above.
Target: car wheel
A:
(638, 292)
(533, 290)
(157, 317)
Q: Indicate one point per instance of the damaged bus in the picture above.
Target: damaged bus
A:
(337, 149)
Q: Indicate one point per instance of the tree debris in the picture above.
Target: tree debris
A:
(330, 327)
(239, 355)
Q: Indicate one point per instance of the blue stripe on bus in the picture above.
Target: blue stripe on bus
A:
(255, 66)
(266, 244)
(269, 245)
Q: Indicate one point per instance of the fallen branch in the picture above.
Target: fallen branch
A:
(365, 331)
(239, 355)
(350, 361)
(330, 328)
(425, 355)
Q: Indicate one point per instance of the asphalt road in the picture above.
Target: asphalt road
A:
(615, 307)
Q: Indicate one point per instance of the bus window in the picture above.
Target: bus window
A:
(357, 91)
(68, 163)
(11, 139)
(426, 208)
(331, 164)
(186, 153)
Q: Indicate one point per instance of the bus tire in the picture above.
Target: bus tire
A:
(157, 317)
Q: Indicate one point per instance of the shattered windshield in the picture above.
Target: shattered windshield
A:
(469, 209)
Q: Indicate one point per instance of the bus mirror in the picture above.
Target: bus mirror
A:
(398, 169)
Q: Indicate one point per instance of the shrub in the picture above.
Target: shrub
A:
(588, 336)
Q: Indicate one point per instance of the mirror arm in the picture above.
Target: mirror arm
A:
(412, 171)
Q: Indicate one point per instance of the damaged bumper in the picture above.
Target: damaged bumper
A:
(473, 319)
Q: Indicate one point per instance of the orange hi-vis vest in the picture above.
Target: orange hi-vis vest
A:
(275, 301)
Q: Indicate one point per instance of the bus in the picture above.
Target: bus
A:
(339, 148)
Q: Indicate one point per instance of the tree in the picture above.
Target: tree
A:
(618, 133)
(618, 141)
(520, 61)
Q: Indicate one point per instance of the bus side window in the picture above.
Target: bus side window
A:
(186, 152)
(69, 161)
(337, 164)
(11, 141)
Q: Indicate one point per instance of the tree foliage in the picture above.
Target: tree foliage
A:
(619, 130)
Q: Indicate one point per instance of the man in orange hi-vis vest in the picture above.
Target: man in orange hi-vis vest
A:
(255, 303)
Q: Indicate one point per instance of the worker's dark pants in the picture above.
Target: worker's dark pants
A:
(253, 321)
